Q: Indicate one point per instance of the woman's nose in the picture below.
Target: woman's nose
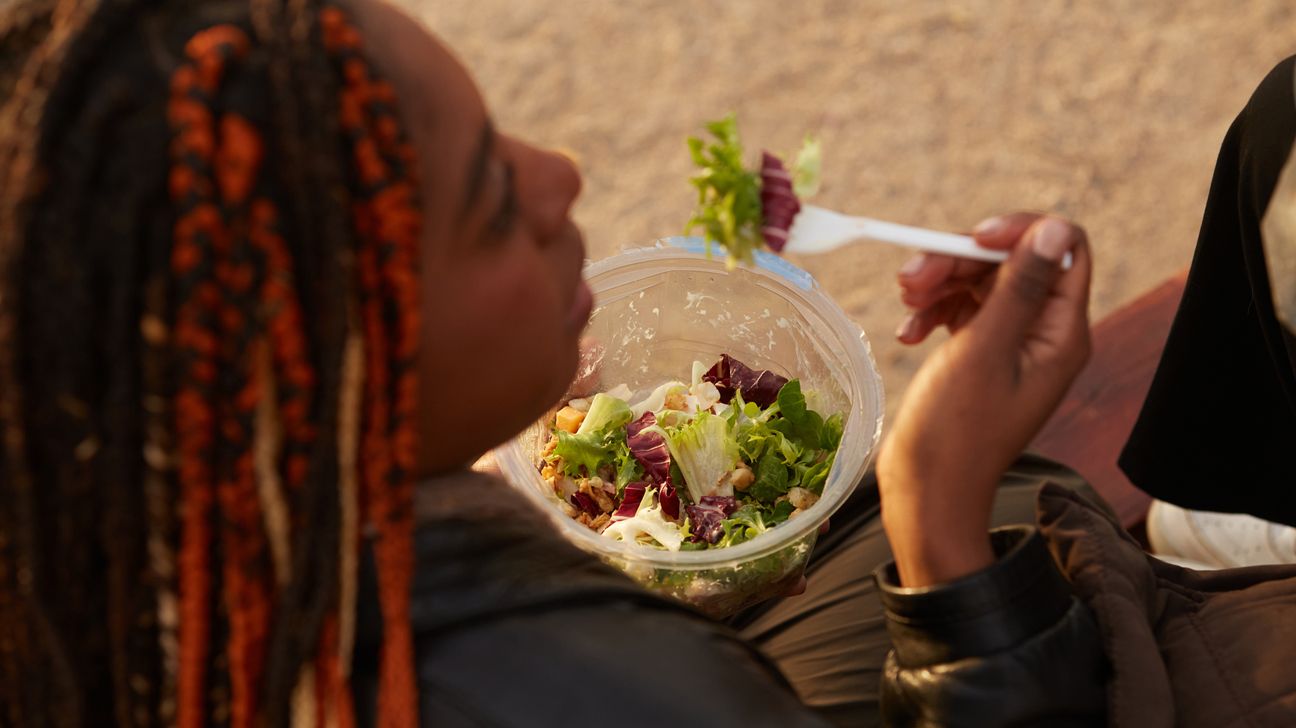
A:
(553, 186)
(569, 169)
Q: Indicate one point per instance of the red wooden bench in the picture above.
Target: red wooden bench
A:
(1091, 425)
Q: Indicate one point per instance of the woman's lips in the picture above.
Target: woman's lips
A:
(582, 306)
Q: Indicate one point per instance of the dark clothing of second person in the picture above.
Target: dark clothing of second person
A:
(1160, 645)
(1218, 429)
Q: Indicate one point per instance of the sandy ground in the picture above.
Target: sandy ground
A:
(931, 113)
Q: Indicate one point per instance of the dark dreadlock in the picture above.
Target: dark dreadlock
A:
(188, 308)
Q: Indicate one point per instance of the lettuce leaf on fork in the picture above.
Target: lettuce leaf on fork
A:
(742, 209)
(729, 194)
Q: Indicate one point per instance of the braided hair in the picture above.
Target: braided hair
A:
(208, 327)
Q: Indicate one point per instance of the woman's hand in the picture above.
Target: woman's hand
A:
(1020, 335)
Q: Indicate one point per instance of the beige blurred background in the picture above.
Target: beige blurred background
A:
(931, 113)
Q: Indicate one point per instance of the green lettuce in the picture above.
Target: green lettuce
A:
(780, 513)
(771, 477)
(743, 525)
(788, 444)
(758, 430)
(812, 476)
(628, 469)
(605, 413)
(704, 450)
(803, 423)
(831, 434)
(754, 438)
(583, 455)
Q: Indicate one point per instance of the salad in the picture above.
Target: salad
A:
(740, 208)
(706, 464)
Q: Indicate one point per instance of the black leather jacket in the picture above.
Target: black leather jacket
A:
(515, 627)
(1007, 646)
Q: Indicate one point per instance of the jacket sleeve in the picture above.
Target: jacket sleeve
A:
(611, 662)
(1008, 645)
(513, 626)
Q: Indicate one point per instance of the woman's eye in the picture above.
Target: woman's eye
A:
(502, 219)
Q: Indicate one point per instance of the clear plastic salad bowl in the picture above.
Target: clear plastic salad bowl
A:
(658, 310)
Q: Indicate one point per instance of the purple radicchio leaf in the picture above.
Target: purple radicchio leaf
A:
(757, 385)
(706, 517)
(631, 497)
(779, 204)
(585, 503)
(669, 500)
(649, 449)
(634, 428)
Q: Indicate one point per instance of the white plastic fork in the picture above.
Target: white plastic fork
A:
(817, 230)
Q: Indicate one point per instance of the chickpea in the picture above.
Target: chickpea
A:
(742, 477)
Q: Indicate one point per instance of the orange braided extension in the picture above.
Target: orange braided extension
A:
(201, 239)
(285, 332)
(387, 221)
(233, 279)
(247, 580)
(232, 267)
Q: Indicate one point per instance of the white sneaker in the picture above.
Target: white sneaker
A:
(1205, 540)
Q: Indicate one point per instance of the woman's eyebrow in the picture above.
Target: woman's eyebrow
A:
(477, 168)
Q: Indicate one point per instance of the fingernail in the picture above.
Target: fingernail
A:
(1052, 239)
(906, 328)
(913, 266)
(989, 226)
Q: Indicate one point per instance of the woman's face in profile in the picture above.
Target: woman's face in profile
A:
(502, 302)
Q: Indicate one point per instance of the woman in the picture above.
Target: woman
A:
(223, 290)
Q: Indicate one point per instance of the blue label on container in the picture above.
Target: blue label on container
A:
(766, 260)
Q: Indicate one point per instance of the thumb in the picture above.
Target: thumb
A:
(1025, 283)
